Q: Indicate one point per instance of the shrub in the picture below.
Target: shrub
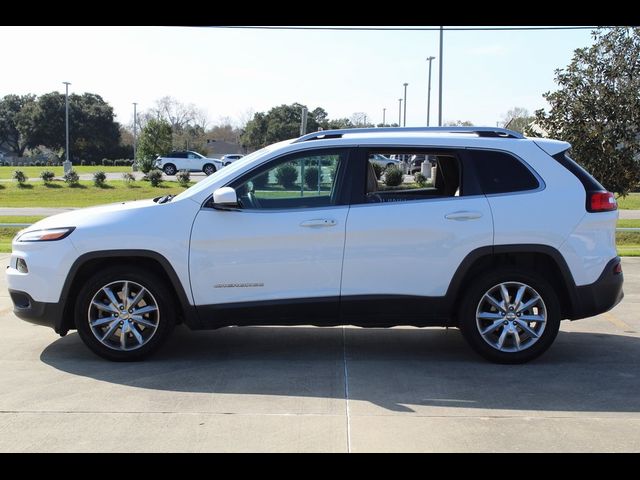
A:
(286, 175)
(82, 163)
(71, 178)
(46, 176)
(20, 177)
(128, 178)
(311, 177)
(183, 177)
(420, 179)
(378, 169)
(146, 165)
(261, 181)
(393, 177)
(155, 177)
(99, 179)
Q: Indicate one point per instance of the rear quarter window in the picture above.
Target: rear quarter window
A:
(499, 172)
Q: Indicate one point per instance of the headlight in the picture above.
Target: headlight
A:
(46, 235)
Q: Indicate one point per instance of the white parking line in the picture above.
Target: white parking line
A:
(346, 388)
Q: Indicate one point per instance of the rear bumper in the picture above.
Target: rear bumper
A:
(600, 296)
(39, 313)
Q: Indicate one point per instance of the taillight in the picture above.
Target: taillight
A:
(602, 202)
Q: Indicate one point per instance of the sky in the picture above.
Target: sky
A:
(231, 73)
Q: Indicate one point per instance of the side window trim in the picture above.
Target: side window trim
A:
(340, 187)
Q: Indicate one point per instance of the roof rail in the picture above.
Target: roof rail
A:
(480, 131)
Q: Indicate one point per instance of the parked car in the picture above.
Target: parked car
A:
(187, 160)
(383, 160)
(512, 237)
(416, 161)
(230, 158)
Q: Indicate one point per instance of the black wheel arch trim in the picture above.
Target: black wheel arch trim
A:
(460, 276)
(189, 311)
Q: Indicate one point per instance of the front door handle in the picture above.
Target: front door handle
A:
(319, 222)
(463, 215)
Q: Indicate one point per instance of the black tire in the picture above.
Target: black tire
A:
(471, 305)
(209, 169)
(169, 169)
(165, 319)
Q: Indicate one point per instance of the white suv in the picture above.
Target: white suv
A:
(512, 237)
(187, 160)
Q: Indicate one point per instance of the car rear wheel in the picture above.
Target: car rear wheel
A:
(208, 169)
(170, 169)
(124, 313)
(509, 316)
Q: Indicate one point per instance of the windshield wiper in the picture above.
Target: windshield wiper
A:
(164, 199)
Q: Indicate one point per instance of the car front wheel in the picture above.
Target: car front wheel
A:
(208, 169)
(509, 316)
(124, 313)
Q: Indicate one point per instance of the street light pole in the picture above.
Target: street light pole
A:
(405, 104)
(399, 112)
(66, 116)
(384, 116)
(440, 82)
(135, 130)
(429, 59)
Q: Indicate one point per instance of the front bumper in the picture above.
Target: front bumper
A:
(600, 296)
(39, 313)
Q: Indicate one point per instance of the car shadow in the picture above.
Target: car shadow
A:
(392, 368)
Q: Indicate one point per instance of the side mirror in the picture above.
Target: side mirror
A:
(225, 197)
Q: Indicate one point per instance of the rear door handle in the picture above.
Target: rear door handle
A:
(319, 222)
(463, 215)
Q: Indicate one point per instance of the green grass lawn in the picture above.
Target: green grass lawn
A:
(19, 219)
(59, 194)
(630, 202)
(34, 172)
(630, 223)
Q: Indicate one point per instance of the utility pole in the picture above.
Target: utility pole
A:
(135, 130)
(429, 59)
(399, 112)
(440, 81)
(303, 121)
(384, 116)
(67, 165)
(405, 105)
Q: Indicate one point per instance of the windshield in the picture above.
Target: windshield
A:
(233, 167)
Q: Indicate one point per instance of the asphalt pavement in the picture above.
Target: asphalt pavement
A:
(299, 389)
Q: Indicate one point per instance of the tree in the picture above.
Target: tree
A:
(337, 123)
(93, 132)
(360, 120)
(179, 115)
(517, 119)
(16, 122)
(279, 123)
(458, 123)
(597, 107)
(155, 139)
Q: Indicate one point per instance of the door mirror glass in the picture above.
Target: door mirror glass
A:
(225, 197)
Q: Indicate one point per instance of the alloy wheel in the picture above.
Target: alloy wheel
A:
(511, 316)
(123, 315)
